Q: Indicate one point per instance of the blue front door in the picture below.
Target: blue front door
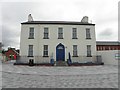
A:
(60, 52)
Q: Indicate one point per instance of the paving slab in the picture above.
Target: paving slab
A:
(15, 76)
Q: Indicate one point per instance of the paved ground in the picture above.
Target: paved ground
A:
(59, 77)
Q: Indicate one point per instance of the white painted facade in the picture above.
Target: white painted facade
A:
(38, 42)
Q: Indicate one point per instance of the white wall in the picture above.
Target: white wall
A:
(53, 40)
(108, 57)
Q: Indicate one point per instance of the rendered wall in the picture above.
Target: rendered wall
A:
(38, 42)
(109, 57)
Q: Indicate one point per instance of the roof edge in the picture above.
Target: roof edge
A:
(58, 22)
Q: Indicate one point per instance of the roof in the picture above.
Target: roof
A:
(107, 43)
(13, 49)
(57, 22)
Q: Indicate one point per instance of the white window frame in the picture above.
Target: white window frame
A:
(89, 51)
(46, 33)
(45, 50)
(60, 33)
(31, 33)
(88, 35)
(75, 52)
(30, 51)
(74, 33)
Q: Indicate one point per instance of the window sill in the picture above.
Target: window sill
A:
(60, 38)
(30, 56)
(75, 56)
(30, 38)
(74, 38)
(88, 38)
(45, 56)
(45, 38)
(88, 56)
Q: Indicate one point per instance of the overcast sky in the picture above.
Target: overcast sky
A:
(103, 13)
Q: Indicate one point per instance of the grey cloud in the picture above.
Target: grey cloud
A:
(10, 37)
(106, 32)
(12, 15)
(16, 12)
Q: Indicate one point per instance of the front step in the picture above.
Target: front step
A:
(61, 63)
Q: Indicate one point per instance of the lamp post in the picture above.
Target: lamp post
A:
(66, 52)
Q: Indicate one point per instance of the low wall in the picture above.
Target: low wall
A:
(84, 59)
(109, 57)
(40, 59)
(37, 59)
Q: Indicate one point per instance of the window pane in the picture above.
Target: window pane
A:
(88, 47)
(45, 30)
(88, 53)
(45, 53)
(45, 47)
(60, 30)
(74, 47)
(45, 35)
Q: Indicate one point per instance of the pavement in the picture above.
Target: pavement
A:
(15, 76)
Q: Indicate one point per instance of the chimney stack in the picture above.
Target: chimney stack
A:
(84, 19)
(30, 18)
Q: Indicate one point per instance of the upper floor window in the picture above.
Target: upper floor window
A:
(74, 33)
(75, 50)
(31, 33)
(30, 51)
(88, 36)
(46, 33)
(60, 33)
(89, 51)
(45, 50)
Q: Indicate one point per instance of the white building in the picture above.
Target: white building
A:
(43, 40)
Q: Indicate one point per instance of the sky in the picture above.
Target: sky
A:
(103, 13)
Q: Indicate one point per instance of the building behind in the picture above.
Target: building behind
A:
(11, 53)
(107, 45)
(1, 57)
(109, 50)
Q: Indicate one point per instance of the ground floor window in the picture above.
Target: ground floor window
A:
(89, 51)
(30, 50)
(75, 50)
(45, 50)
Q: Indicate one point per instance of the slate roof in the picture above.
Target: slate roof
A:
(107, 43)
(57, 22)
